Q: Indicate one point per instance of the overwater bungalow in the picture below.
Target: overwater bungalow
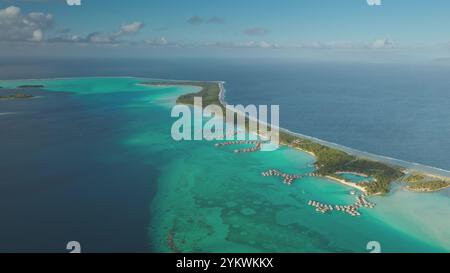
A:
(352, 209)
(287, 178)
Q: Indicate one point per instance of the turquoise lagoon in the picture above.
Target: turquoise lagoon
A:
(209, 199)
(356, 178)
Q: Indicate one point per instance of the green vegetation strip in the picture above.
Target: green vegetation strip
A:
(429, 186)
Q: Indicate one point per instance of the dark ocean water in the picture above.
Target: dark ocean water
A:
(400, 111)
(64, 177)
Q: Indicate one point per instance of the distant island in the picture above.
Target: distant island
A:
(16, 96)
(21, 95)
(426, 183)
(31, 86)
(330, 162)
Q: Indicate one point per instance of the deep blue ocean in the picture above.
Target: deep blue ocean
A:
(400, 111)
(64, 177)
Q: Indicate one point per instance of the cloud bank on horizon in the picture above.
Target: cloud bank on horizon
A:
(297, 26)
(17, 26)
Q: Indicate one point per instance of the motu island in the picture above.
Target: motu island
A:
(16, 96)
(31, 86)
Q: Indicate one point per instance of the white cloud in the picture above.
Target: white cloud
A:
(100, 37)
(10, 12)
(73, 2)
(262, 44)
(351, 45)
(162, 41)
(15, 26)
(127, 29)
(382, 43)
(131, 28)
(378, 44)
(38, 36)
(249, 44)
(374, 2)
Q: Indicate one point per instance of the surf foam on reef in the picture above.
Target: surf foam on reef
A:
(8, 113)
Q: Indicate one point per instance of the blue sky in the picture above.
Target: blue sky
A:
(262, 27)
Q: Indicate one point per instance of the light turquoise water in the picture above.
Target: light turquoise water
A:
(210, 199)
(355, 178)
